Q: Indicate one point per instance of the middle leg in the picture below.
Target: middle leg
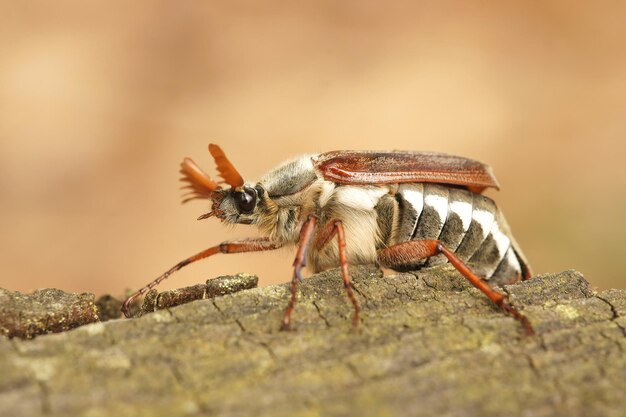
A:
(306, 233)
(332, 228)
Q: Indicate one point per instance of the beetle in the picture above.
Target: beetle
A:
(400, 210)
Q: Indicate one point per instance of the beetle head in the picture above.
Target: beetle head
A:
(237, 204)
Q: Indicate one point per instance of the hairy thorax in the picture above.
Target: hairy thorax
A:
(354, 206)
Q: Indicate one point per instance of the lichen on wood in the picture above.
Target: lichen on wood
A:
(428, 344)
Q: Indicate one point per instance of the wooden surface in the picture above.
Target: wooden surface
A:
(428, 345)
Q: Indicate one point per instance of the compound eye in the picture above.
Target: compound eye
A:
(245, 200)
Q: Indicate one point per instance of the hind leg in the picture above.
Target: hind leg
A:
(408, 252)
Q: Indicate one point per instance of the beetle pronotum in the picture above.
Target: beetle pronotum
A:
(400, 210)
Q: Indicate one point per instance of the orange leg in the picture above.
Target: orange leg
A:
(306, 233)
(407, 252)
(331, 229)
(251, 245)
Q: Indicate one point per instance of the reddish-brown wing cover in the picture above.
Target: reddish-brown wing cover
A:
(364, 167)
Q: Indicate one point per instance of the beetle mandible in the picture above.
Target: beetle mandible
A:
(404, 209)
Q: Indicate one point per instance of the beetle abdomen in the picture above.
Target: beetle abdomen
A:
(468, 223)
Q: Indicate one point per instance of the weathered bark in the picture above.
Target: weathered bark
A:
(428, 345)
(215, 287)
(50, 310)
(47, 310)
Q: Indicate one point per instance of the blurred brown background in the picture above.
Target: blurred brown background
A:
(100, 102)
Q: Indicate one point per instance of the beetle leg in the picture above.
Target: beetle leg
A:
(407, 252)
(235, 246)
(306, 233)
(331, 229)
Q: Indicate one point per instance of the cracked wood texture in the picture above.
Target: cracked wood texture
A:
(428, 345)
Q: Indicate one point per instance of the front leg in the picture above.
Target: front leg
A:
(234, 246)
(408, 252)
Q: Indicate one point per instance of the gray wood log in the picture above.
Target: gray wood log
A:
(47, 310)
(428, 345)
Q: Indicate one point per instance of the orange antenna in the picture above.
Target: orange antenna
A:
(200, 185)
(226, 169)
